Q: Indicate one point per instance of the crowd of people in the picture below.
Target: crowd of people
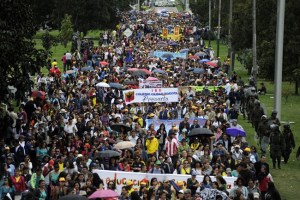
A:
(54, 140)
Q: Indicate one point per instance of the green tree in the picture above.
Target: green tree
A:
(19, 58)
(48, 41)
(66, 30)
(89, 14)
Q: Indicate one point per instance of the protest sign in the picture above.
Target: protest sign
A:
(121, 177)
(151, 95)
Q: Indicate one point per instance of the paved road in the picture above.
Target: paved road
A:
(168, 9)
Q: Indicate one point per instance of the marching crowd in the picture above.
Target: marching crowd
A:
(56, 138)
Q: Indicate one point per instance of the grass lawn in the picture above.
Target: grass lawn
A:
(286, 179)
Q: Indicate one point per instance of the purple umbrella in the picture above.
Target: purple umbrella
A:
(234, 132)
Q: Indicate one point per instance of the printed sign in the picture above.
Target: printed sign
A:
(151, 95)
(121, 177)
(150, 83)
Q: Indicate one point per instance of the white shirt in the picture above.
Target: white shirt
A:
(70, 128)
(68, 56)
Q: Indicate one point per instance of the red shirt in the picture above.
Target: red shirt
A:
(263, 184)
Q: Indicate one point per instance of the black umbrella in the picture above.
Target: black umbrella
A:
(128, 82)
(139, 73)
(201, 132)
(119, 127)
(107, 154)
(73, 197)
(115, 85)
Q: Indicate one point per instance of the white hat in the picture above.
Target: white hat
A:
(62, 111)
(255, 195)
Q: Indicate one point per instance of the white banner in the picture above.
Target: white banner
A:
(151, 95)
(150, 84)
(121, 177)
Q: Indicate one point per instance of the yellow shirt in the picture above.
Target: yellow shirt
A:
(61, 166)
(152, 145)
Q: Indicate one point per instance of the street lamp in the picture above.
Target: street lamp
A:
(219, 27)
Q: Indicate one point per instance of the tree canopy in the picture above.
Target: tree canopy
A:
(266, 17)
(19, 58)
(86, 15)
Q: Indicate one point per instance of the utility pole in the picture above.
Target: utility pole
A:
(219, 27)
(229, 36)
(138, 5)
(254, 59)
(279, 55)
(209, 22)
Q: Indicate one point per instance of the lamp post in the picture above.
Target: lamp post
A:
(254, 58)
(209, 22)
(229, 35)
(279, 55)
(219, 27)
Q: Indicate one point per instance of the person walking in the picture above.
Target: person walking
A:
(277, 145)
(289, 142)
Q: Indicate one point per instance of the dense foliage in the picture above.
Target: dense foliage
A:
(19, 58)
(86, 15)
(266, 33)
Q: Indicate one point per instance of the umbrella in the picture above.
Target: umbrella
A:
(107, 154)
(139, 73)
(173, 44)
(151, 79)
(73, 197)
(128, 82)
(159, 71)
(118, 127)
(204, 60)
(104, 63)
(146, 70)
(132, 69)
(194, 57)
(150, 21)
(201, 132)
(115, 85)
(86, 69)
(212, 194)
(70, 71)
(162, 44)
(124, 145)
(234, 132)
(195, 48)
(103, 194)
(198, 70)
(184, 50)
(102, 84)
(40, 94)
(211, 64)
(167, 55)
(200, 54)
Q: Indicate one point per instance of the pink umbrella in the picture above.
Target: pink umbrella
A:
(103, 194)
(211, 64)
(104, 63)
(151, 79)
(132, 69)
(146, 70)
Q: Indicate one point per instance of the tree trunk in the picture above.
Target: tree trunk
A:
(296, 87)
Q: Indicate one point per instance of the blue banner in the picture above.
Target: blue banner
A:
(167, 55)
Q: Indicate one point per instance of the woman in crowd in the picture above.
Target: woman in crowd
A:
(7, 189)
